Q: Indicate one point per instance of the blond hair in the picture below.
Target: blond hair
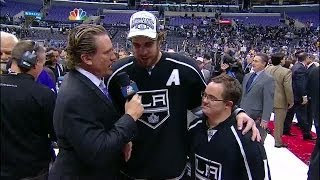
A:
(81, 40)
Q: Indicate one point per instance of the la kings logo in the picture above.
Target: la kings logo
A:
(156, 107)
(207, 169)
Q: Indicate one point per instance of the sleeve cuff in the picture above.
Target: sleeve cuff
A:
(238, 110)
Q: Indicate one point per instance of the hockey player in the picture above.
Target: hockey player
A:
(169, 84)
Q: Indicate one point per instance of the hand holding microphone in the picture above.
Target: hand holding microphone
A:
(134, 107)
(129, 89)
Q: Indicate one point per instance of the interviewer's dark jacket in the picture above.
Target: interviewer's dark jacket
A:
(90, 132)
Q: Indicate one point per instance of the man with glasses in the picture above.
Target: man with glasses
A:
(218, 150)
(170, 84)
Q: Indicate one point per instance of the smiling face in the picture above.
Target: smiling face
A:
(146, 51)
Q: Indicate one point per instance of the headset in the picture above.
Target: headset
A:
(29, 59)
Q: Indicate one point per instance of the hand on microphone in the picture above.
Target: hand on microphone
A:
(134, 107)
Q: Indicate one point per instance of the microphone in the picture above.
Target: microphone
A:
(128, 88)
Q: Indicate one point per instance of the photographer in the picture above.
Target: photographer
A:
(226, 64)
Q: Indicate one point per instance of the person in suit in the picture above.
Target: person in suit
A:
(283, 95)
(91, 133)
(258, 93)
(313, 173)
(310, 87)
(299, 87)
(204, 72)
(313, 94)
(248, 61)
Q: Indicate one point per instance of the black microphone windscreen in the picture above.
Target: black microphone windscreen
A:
(123, 79)
(128, 87)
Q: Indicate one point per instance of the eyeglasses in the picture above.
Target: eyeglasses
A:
(210, 97)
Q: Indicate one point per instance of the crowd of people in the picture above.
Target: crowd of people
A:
(102, 134)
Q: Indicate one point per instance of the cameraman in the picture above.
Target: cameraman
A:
(26, 116)
(226, 64)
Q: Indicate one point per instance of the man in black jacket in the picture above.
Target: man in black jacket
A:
(91, 133)
(299, 87)
(313, 173)
(26, 116)
(310, 92)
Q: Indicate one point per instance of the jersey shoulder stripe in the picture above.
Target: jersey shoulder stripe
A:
(118, 66)
(187, 65)
(246, 164)
(194, 123)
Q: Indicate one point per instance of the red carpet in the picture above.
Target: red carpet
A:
(299, 147)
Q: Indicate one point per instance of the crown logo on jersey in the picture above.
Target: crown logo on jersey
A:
(77, 14)
(153, 118)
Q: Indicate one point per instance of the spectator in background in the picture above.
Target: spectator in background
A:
(313, 173)
(117, 55)
(53, 57)
(205, 73)
(287, 64)
(8, 41)
(258, 93)
(310, 66)
(232, 67)
(208, 63)
(123, 54)
(26, 116)
(283, 95)
(248, 61)
(299, 86)
(44, 77)
(63, 56)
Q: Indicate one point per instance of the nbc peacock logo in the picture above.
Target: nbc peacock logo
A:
(77, 15)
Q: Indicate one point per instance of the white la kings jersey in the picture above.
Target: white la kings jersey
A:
(173, 86)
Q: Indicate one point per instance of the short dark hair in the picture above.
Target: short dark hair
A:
(232, 88)
(276, 58)
(302, 56)
(296, 54)
(207, 56)
(264, 57)
(52, 49)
